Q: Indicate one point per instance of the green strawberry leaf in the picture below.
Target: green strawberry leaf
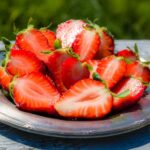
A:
(121, 95)
(57, 44)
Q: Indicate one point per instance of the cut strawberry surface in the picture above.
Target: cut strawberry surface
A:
(51, 37)
(137, 70)
(34, 92)
(73, 71)
(86, 44)
(67, 31)
(34, 41)
(5, 78)
(107, 45)
(136, 89)
(85, 99)
(111, 69)
(23, 62)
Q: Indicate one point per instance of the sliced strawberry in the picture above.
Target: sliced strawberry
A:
(85, 99)
(55, 66)
(111, 69)
(86, 44)
(127, 53)
(136, 89)
(5, 78)
(23, 62)
(73, 71)
(107, 44)
(138, 70)
(51, 37)
(34, 92)
(67, 31)
(34, 41)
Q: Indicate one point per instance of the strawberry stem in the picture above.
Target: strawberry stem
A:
(57, 44)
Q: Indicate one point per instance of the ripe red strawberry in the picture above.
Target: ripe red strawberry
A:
(5, 78)
(23, 62)
(73, 71)
(138, 70)
(34, 93)
(51, 37)
(86, 44)
(127, 53)
(107, 44)
(34, 41)
(85, 99)
(136, 89)
(55, 66)
(111, 69)
(67, 31)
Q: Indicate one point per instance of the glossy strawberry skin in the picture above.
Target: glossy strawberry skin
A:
(136, 89)
(85, 99)
(34, 41)
(34, 93)
(67, 31)
(73, 71)
(111, 69)
(86, 44)
(23, 62)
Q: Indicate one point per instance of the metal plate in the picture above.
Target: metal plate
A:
(132, 119)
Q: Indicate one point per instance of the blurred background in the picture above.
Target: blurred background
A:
(126, 19)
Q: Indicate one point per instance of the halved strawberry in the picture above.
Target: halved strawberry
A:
(5, 78)
(136, 89)
(138, 70)
(23, 62)
(111, 69)
(67, 31)
(127, 53)
(85, 99)
(86, 44)
(34, 41)
(73, 71)
(51, 37)
(54, 64)
(107, 44)
(34, 93)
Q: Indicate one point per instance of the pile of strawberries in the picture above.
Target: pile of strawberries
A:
(73, 73)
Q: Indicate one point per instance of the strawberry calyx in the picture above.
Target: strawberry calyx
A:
(57, 44)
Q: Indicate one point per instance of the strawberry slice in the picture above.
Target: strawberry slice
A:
(5, 78)
(54, 64)
(138, 70)
(111, 69)
(85, 99)
(86, 44)
(136, 89)
(23, 62)
(34, 93)
(73, 71)
(34, 41)
(51, 37)
(67, 31)
(107, 44)
(127, 53)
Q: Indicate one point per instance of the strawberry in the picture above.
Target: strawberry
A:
(136, 89)
(127, 53)
(73, 71)
(34, 41)
(138, 70)
(55, 66)
(34, 93)
(107, 44)
(5, 78)
(51, 37)
(86, 44)
(85, 99)
(67, 31)
(111, 69)
(23, 62)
